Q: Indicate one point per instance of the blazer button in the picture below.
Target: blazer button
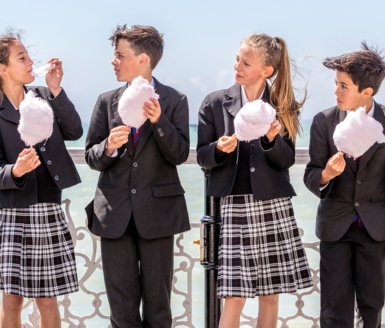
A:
(252, 169)
(49, 162)
(359, 181)
(42, 148)
(135, 164)
(356, 204)
(133, 191)
(56, 178)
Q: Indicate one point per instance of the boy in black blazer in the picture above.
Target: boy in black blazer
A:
(139, 202)
(351, 214)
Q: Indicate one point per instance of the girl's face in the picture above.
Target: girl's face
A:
(18, 71)
(249, 67)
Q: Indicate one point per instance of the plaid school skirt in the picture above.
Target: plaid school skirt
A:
(36, 252)
(260, 251)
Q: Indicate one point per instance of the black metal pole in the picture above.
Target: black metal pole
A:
(210, 227)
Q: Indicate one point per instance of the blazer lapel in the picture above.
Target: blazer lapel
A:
(8, 112)
(117, 120)
(233, 102)
(146, 128)
(379, 116)
(231, 105)
(349, 160)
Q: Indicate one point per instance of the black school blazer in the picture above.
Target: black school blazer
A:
(269, 169)
(53, 152)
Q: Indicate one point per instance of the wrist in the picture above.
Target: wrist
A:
(55, 91)
(325, 177)
(218, 149)
(108, 149)
(15, 172)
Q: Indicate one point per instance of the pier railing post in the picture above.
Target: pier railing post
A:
(210, 227)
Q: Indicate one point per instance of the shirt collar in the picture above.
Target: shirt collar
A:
(244, 97)
(371, 112)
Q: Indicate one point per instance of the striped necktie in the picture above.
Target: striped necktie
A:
(135, 136)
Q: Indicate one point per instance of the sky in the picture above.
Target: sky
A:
(201, 41)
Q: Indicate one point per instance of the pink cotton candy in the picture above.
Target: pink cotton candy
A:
(357, 133)
(131, 103)
(253, 120)
(36, 119)
(43, 70)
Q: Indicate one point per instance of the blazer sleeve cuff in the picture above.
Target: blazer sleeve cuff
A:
(10, 181)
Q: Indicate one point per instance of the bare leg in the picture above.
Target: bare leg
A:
(10, 312)
(49, 312)
(231, 313)
(268, 311)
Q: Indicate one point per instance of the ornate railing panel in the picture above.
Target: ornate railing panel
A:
(89, 307)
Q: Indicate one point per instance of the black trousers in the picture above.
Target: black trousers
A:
(352, 268)
(136, 271)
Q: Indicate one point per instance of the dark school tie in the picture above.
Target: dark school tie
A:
(135, 136)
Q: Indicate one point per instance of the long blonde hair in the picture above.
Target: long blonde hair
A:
(273, 52)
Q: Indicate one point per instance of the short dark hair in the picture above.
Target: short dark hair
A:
(365, 67)
(143, 39)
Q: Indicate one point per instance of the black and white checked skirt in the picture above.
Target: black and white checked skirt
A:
(36, 252)
(260, 251)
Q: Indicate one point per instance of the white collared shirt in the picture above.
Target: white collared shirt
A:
(244, 97)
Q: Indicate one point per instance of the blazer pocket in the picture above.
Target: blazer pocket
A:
(167, 190)
(377, 197)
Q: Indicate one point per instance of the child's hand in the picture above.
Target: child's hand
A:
(152, 110)
(27, 161)
(334, 167)
(275, 128)
(227, 144)
(54, 76)
(117, 138)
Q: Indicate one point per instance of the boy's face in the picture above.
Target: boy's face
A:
(348, 96)
(127, 65)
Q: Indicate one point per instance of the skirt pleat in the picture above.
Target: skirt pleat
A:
(260, 252)
(37, 256)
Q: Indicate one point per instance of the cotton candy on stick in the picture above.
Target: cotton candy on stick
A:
(43, 70)
(357, 133)
(131, 103)
(36, 119)
(254, 120)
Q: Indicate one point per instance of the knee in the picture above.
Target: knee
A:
(46, 304)
(235, 302)
(269, 300)
(12, 303)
